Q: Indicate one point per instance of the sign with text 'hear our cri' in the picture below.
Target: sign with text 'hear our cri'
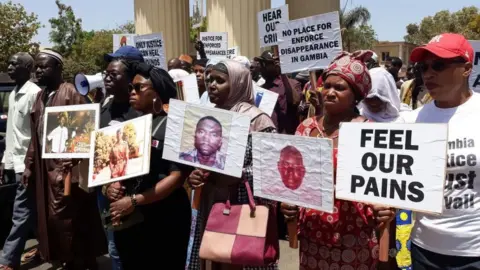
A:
(475, 76)
(394, 165)
(267, 21)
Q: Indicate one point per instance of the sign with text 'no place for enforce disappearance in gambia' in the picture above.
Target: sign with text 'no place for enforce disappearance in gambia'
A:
(267, 22)
(153, 49)
(309, 43)
(475, 76)
(396, 165)
(216, 44)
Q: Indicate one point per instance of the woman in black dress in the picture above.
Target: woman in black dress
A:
(157, 204)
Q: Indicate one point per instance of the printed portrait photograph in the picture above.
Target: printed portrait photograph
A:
(121, 151)
(293, 170)
(205, 137)
(67, 131)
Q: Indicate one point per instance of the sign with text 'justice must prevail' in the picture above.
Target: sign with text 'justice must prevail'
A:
(397, 165)
(215, 43)
(475, 76)
(153, 49)
(309, 43)
(267, 21)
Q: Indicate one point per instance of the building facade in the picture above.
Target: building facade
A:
(385, 49)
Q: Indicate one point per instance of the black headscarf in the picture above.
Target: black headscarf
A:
(162, 82)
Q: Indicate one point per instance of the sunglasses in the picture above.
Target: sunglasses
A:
(140, 87)
(439, 65)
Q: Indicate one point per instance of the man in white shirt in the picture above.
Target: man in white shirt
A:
(59, 136)
(18, 137)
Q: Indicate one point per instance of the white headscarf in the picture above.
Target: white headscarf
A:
(384, 88)
(177, 74)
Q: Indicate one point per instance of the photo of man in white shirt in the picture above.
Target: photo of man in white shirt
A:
(58, 137)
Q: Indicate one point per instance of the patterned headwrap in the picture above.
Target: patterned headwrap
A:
(57, 56)
(351, 67)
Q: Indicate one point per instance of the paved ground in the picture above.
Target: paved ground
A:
(288, 259)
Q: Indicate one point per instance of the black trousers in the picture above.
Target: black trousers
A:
(423, 259)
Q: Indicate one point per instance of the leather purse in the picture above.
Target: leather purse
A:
(241, 234)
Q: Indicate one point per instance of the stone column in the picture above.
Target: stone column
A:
(305, 8)
(239, 19)
(171, 17)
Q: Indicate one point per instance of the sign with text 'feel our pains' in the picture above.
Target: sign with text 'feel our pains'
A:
(475, 76)
(215, 43)
(309, 43)
(152, 48)
(396, 165)
(267, 22)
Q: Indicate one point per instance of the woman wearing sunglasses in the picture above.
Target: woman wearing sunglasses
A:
(450, 240)
(156, 203)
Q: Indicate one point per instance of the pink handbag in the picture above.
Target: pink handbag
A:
(241, 234)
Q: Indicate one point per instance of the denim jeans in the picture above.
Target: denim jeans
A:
(23, 220)
(104, 205)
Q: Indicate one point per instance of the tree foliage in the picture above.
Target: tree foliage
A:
(356, 33)
(66, 31)
(465, 21)
(362, 37)
(17, 28)
(194, 33)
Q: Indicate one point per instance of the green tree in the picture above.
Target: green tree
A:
(465, 21)
(17, 28)
(353, 23)
(194, 33)
(66, 33)
(362, 37)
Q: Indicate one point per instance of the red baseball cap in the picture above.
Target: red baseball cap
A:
(447, 45)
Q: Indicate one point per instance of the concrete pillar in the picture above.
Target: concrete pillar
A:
(305, 8)
(168, 16)
(239, 19)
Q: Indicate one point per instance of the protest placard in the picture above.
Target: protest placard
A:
(120, 151)
(232, 52)
(187, 89)
(293, 169)
(395, 165)
(152, 48)
(207, 138)
(264, 99)
(475, 76)
(66, 130)
(215, 43)
(309, 43)
(120, 40)
(267, 21)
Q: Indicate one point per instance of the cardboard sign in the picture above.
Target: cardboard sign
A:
(66, 130)
(152, 48)
(264, 99)
(395, 165)
(267, 21)
(120, 40)
(216, 44)
(121, 151)
(475, 76)
(309, 43)
(207, 138)
(293, 169)
(232, 52)
(187, 89)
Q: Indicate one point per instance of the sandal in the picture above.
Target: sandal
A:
(29, 256)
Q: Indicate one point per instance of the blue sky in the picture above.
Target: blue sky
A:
(389, 17)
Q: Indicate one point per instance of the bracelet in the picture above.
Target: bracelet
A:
(133, 198)
(104, 190)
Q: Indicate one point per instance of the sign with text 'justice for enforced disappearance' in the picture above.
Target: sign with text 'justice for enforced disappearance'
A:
(395, 165)
(267, 21)
(475, 76)
(309, 43)
(153, 49)
(216, 44)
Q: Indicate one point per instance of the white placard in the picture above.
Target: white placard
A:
(267, 21)
(66, 130)
(190, 89)
(397, 165)
(121, 151)
(120, 40)
(309, 43)
(207, 138)
(264, 99)
(232, 52)
(475, 76)
(293, 169)
(152, 48)
(215, 43)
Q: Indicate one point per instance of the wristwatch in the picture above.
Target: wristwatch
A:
(134, 200)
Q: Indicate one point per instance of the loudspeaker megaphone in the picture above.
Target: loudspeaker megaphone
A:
(87, 85)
